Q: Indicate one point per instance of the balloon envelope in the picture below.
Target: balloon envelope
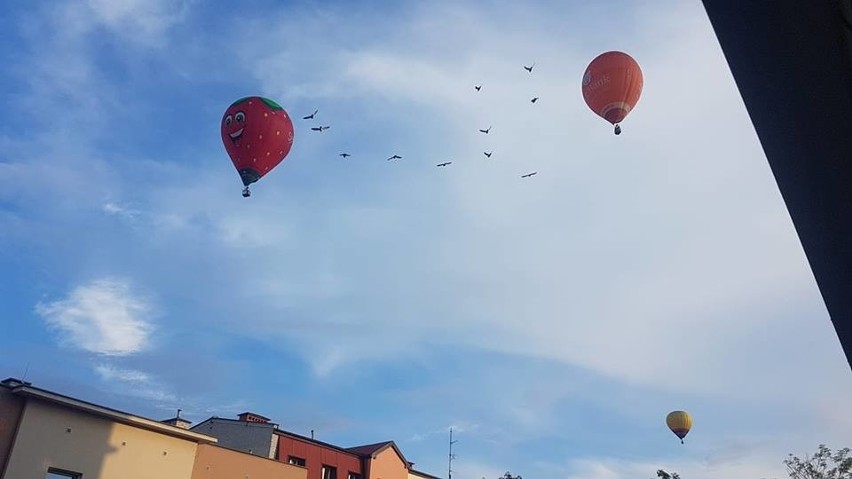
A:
(257, 134)
(612, 85)
(680, 422)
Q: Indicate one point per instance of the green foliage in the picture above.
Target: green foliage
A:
(822, 465)
(665, 475)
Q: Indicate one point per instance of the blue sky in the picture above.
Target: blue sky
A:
(553, 322)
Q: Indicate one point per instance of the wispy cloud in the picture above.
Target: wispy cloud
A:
(593, 264)
(139, 20)
(116, 209)
(616, 468)
(462, 428)
(111, 373)
(661, 263)
(105, 317)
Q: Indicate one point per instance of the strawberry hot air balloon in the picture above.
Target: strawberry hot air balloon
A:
(612, 85)
(257, 134)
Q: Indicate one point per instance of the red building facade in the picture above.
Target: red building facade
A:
(323, 461)
(255, 434)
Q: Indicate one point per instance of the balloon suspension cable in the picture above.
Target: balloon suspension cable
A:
(617, 129)
(246, 192)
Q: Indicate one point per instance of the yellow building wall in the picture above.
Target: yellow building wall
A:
(388, 465)
(54, 436)
(215, 462)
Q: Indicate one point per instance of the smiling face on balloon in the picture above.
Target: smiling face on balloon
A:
(234, 124)
(258, 134)
(246, 117)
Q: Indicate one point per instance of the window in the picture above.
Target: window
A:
(61, 474)
(354, 475)
(329, 472)
(296, 461)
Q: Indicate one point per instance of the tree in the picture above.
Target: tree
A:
(665, 475)
(822, 465)
(510, 476)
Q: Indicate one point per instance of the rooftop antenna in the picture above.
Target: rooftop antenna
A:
(312, 433)
(451, 456)
(26, 370)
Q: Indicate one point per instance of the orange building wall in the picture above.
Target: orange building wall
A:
(11, 408)
(214, 462)
(388, 465)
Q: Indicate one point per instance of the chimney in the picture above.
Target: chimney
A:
(177, 421)
(252, 417)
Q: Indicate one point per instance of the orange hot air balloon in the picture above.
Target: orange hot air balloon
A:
(612, 85)
(680, 422)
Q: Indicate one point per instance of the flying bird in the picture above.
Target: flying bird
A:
(320, 128)
(529, 174)
(345, 155)
(488, 153)
(395, 157)
(534, 100)
(445, 163)
(529, 68)
(311, 116)
(478, 87)
(486, 130)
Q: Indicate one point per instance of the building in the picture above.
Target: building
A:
(792, 62)
(255, 434)
(383, 461)
(46, 435)
(414, 474)
(216, 462)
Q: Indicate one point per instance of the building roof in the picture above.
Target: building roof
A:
(369, 449)
(177, 418)
(270, 425)
(254, 415)
(372, 450)
(422, 474)
(26, 389)
(282, 432)
(792, 65)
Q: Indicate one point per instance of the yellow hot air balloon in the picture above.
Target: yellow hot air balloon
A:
(680, 422)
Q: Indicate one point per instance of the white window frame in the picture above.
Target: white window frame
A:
(328, 472)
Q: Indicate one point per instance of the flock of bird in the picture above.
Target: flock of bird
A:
(395, 157)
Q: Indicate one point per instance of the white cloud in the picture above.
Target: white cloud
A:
(104, 317)
(135, 383)
(476, 469)
(117, 209)
(663, 257)
(145, 20)
(758, 465)
(639, 257)
(111, 373)
(463, 428)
